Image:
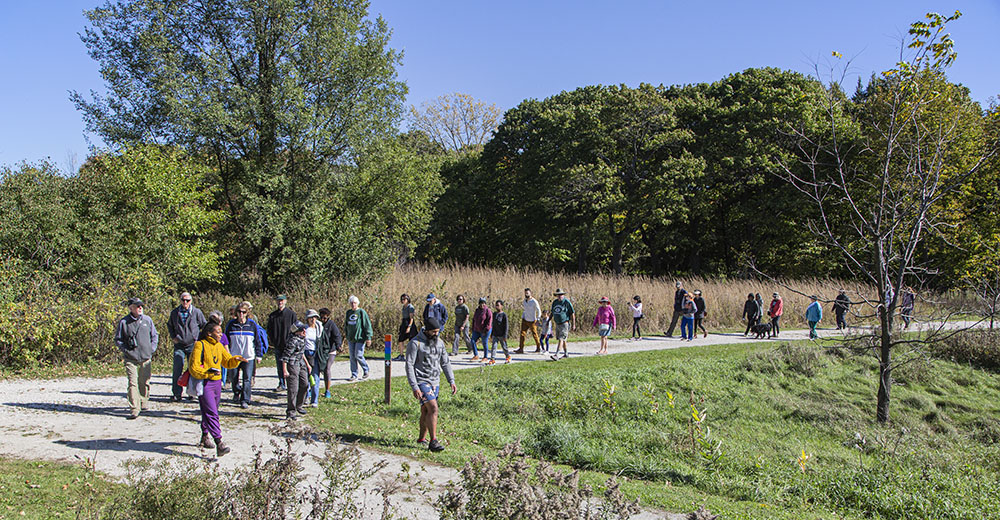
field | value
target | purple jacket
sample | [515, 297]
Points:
[605, 315]
[482, 320]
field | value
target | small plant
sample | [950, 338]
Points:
[608, 397]
[802, 459]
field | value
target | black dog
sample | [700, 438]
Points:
[761, 330]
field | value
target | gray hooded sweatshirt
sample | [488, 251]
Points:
[425, 362]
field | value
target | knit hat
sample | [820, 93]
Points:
[431, 323]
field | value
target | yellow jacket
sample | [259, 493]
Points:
[216, 356]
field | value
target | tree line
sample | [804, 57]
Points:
[254, 145]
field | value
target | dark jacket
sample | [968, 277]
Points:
[700, 303]
[330, 342]
[841, 304]
[679, 299]
[751, 311]
[499, 325]
[136, 338]
[278, 325]
[188, 331]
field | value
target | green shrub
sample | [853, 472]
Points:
[979, 348]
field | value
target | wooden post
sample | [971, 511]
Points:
[388, 367]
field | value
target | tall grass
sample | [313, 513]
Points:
[724, 297]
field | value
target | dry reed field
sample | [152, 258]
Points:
[724, 298]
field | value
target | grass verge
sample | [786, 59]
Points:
[795, 424]
[36, 489]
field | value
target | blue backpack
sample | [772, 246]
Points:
[261, 338]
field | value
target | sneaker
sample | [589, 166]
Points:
[493, 362]
[244, 405]
[565, 355]
[132, 416]
[422, 441]
[474, 358]
[301, 411]
[291, 416]
[519, 351]
[507, 362]
[364, 376]
[554, 357]
[314, 405]
[401, 357]
[454, 352]
[327, 395]
[352, 379]
[435, 446]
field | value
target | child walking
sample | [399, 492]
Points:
[546, 330]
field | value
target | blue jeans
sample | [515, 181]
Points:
[312, 395]
[485, 336]
[357, 352]
[242, 381]
[180, 365]
[687, 327]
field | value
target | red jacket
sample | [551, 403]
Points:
[776, 308]
[482, 320]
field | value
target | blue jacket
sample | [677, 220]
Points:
[438, 311]
[814, 312]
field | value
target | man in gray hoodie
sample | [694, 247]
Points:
[136, 337]
[426, 358]
[185, 323]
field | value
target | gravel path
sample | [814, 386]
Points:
[79, 418]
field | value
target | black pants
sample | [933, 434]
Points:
[277, 358]
[841, 323]
[751, 323]
[298, 385]
[636, 329]
[775, 329]
[698, 325]
[673, 322]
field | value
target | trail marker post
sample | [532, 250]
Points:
[388, 367]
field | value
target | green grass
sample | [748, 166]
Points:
[34, 489]
[765, 404]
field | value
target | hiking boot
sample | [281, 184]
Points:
[519, 351]
[206, 441]
[538, 350]
[221, 448]
[435, 446]
[291, 416]
[507, 362]
[301, 411]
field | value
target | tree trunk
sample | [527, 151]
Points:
[884, 367]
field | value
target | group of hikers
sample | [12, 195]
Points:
[210, 355]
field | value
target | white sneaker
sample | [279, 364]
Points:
[314, 405]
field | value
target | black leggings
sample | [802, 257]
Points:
[636, 330]
[698, 325]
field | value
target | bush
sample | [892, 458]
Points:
[786, 359]
[505, 487]
[979, 348]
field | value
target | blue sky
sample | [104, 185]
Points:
[504, 52]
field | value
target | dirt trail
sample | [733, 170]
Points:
[78, 418]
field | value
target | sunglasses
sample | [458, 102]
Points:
[186, 300]
[241, 312]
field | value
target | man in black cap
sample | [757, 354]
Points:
[136, 337]
[426, 358]
[279, 324]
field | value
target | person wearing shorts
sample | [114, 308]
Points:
[605, 321]
[565, 320]
[426, 358]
